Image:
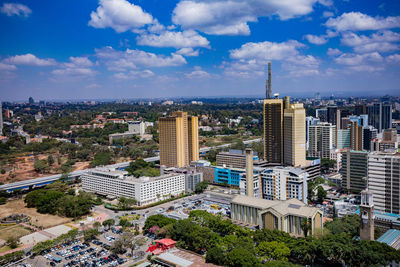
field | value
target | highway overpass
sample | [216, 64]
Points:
[42, 181]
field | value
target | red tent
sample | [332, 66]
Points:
[158, 246]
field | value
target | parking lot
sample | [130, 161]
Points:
[76, 253]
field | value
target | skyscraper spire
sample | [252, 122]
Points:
[268, 85]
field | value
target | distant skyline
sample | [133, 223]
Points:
[116, 49]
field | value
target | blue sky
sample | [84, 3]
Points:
[102, 49]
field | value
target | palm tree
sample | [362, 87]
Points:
[306, 226]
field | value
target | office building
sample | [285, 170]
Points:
[322, 114]
[137, 127]
[285, 215]
[343, 139]
[193, 176]
[344, 124]
[193, 137]
[322, 140]
[146, 190]
[228, 176]
[332, 115]
[362, 120]
[178, 135]
[390, 135]
[282, 183]
[294, 132]
[380, 116]
[313, 168]
[356, 136]
[379, 145]
[360, 109]
[273, 131]
[369, 133]
[384, 180]
[354, 170]
[237, 159]
[310, 121]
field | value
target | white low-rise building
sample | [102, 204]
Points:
[146, 190]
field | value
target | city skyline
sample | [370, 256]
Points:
[147, 49]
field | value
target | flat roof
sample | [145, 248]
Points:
[171, 258]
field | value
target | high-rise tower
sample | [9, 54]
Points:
[294, 134]
[178, 138]
[273, 130]
[268, 84]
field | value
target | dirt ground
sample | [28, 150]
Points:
[44, 220]
[23, 169]
[13, 231]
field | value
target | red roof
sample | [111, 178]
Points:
[166, 241]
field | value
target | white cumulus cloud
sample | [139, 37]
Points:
[14, 9]
[333, 52]
[231, 17]
[317, 40]
[251, 58]
[133, 59]
[188, 52]
[378, 42]
[77, 66]
[30, 60]
[395, 58]
[120, 15]
[188, 38]
[356, 21]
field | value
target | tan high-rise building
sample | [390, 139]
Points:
[273, 130]
[294, 132]
[193, 137]
[356, 136]
[179, 140]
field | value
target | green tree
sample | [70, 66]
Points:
[157, 220]
[12, 242]
[40, 165]
[200, 187]
[273, 251]
[215, 255]
[125, 203]
[305, 226]
[321, 194]
[241, 257]
[108, 223]
[50, 160]
[100, 159]
[90, 234]
[349, 224]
